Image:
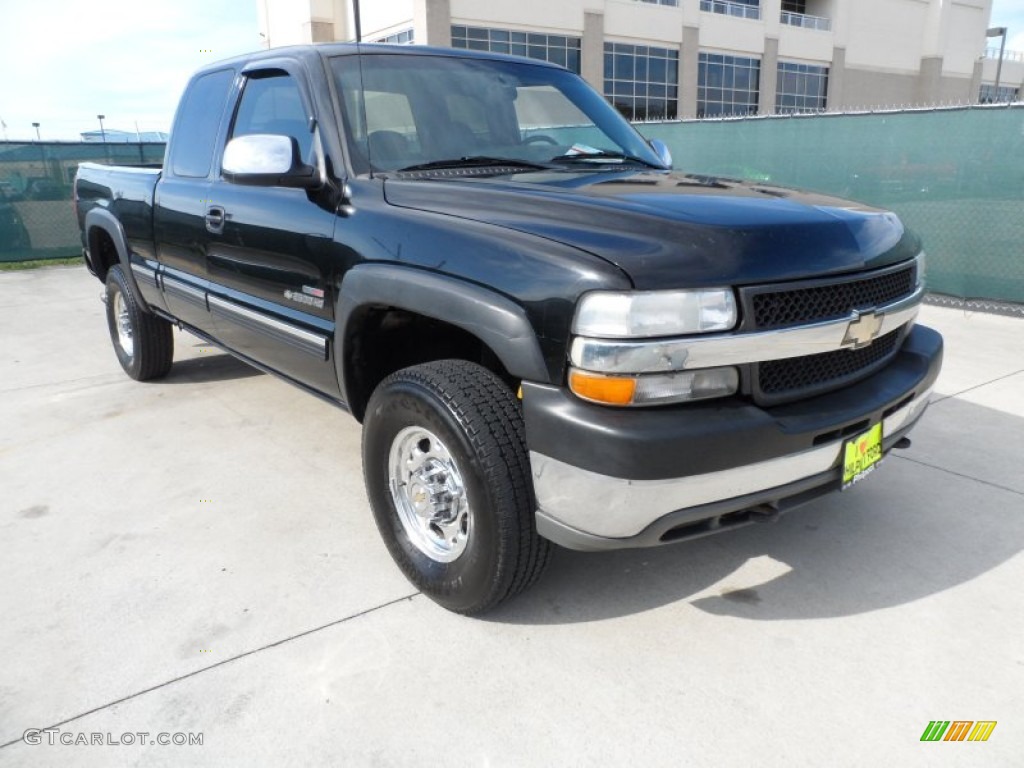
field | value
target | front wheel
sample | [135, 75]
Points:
[143, 342]
[448, 477]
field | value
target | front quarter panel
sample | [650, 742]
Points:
[542, 279]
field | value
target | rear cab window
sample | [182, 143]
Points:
[197, 124]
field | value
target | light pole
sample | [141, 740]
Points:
[998, 32]
[359, 26]
[103, 134]
[36, 126]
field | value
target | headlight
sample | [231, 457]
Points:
[646, 314]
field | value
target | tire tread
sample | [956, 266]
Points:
[153, 336]
[492, 419]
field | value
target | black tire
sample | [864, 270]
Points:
[143, 342]
[478, 421]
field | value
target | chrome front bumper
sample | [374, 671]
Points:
[586, 510]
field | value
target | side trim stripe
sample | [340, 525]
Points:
[306, 341]
[184, 291]
[145, 274]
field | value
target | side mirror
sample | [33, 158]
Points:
[267, 160]
[662, 151]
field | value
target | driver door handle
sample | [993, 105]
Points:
[215, 218]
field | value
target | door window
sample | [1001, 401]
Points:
[271, 103]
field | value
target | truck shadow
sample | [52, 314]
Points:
[919, 527]
[211, 365]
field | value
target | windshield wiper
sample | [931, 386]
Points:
[476, 161]
[599, 155]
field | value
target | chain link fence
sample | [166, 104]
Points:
[955, 176]
[36, 217]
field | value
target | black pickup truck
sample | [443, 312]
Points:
[547, 334]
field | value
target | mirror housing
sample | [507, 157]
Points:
[662, 151]
[267, 160]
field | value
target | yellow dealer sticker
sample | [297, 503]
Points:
[861, 455]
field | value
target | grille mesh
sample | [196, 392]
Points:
[778, 309]
[781, 377]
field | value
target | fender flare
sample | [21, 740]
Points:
[101, 218]
[496, 320]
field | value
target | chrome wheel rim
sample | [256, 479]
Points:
[429, 494]
[124, 324]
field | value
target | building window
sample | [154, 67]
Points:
[642, 81]
[405, 37]
[745, 9]
[557, 49]
[673, 3]
[989, 94]
[727, 85]
[794, 13]
[801, 88]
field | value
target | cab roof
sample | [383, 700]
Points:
[327, 50]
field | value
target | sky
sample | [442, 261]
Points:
[130, 59]
[126, 59]
[1009, 14]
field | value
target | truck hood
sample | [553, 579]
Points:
[666, 229]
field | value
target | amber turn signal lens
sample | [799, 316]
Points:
[612, 390]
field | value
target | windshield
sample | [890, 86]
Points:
[405, 111]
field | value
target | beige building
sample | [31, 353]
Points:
[701, 58]
[1010, 76]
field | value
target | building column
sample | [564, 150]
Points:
[929, 81]
[771, 16]
[769, 77]
[342, 22]
[975, 95]
[689, 58]
[936, 28]
[319, 31]
[929, 77]
[592, 49]
[836, 76]
[432, 22]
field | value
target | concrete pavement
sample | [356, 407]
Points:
[197, 556]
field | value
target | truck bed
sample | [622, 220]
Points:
[127, 192]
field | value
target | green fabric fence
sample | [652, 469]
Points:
[36, 217]
[955, 176]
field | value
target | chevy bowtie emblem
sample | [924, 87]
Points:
[863, 329]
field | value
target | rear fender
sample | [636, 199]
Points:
[102, 219]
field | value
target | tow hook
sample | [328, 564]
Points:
[764, 513]
[903, 443]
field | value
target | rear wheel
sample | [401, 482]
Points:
[448, 477]
[143, 342]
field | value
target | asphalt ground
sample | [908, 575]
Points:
[197, 557]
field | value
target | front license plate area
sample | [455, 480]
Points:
[861, 455]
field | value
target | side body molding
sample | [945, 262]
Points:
[101, 218]
[497, 321]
